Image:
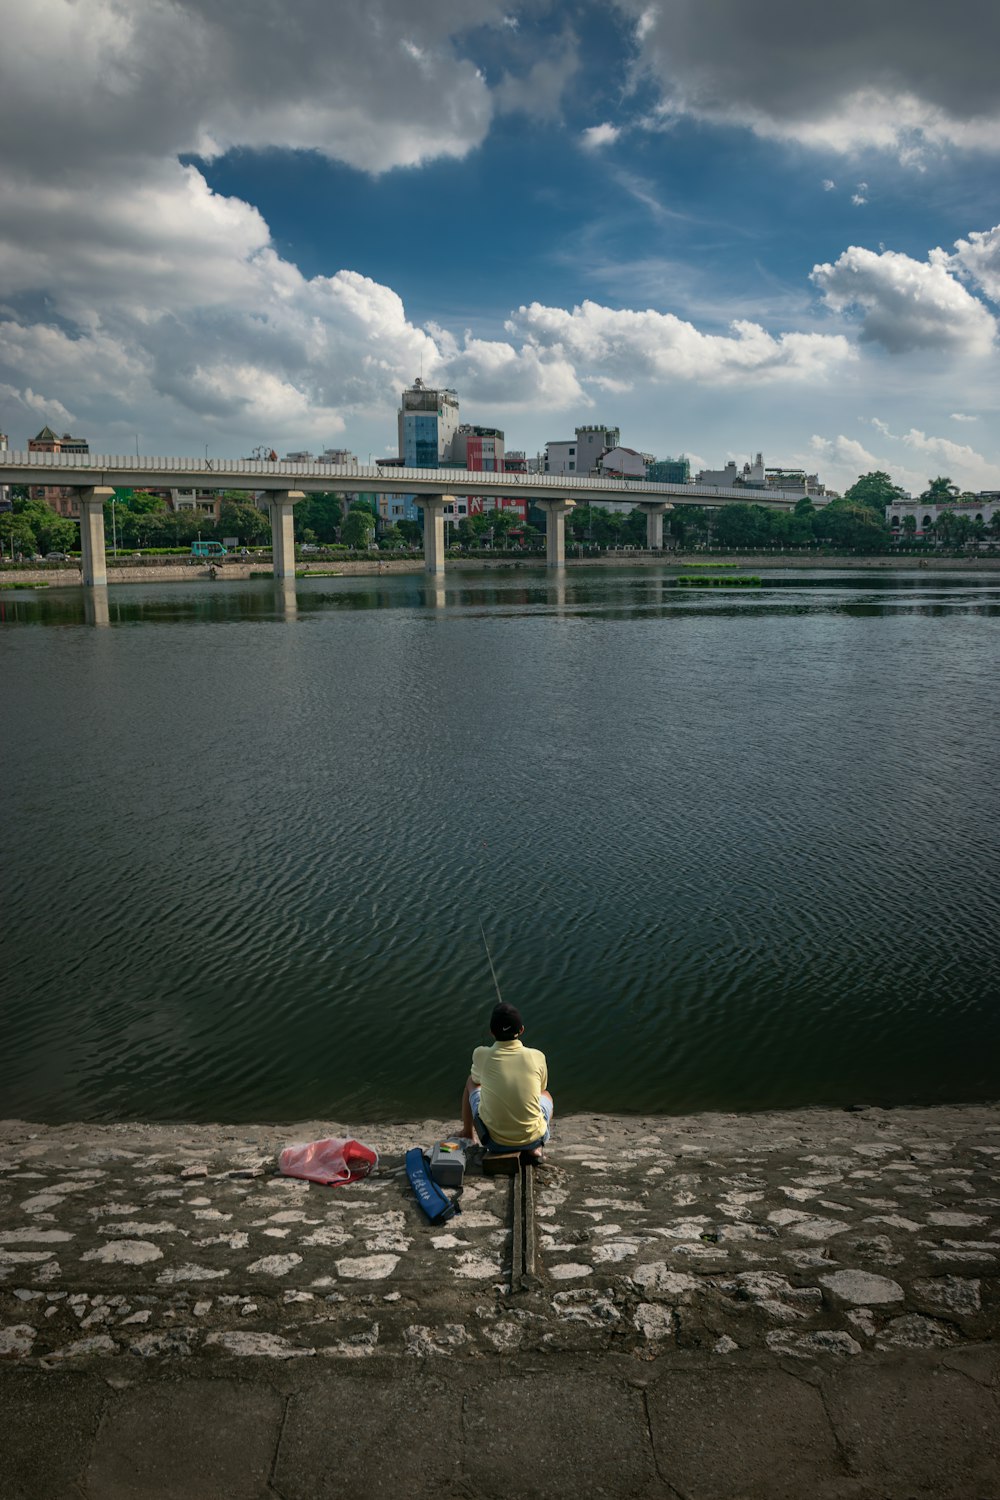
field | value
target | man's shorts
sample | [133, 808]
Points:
[487, 1142]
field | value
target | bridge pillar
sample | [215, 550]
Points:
[556, 512]
[92, 560]
[283, 531]
[654, 522]
[433, 509]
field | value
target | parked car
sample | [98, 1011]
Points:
[56, 557]
[208, 549]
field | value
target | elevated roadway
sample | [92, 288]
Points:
[129, 472]
[96, 476]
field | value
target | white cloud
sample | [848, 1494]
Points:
[978, 258]
[364, 84]
[632, 346]
[959, 455]
[596, 136]
[34, 406]
[906, 304]
[860, 195]
[846, 453]
[961, 416]
[967, 467]
[135, 297]
[828, 184]
[892, 76]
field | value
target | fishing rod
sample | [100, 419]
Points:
[493, 971]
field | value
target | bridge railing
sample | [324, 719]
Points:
[214, 471]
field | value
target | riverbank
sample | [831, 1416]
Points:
[187, 571]
[775, 1304]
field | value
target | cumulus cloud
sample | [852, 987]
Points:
[978, 259]
[634, 345]
[135, 295]
[966, 465]
[842, 459]
[906, 304]
[365, 84]
[128, 280]
[596, 136]
[943, 450]
[847, 453]
[34, 405]
[897, 76]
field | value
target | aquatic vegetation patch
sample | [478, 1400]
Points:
[699, 582]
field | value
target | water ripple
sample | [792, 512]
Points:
[728, 852]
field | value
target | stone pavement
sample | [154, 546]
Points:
[801, 1303]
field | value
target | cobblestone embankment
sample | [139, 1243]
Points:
[800, 1234]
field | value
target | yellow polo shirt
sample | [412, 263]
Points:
[511, 1077]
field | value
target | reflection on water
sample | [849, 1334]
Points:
[731, 849]
[515, 589]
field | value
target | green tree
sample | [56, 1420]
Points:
[177, 528]
[502, 523]
[50, 532]
[876, 490]
[392, 538]
[910, 527]
[940, 491]
[944, 527]
[411, 531]
[742, 526]
[848, 523]
[688, 524]
[634, 529]
[16, 535]
[322, 514]
[127, 521]
[246, 522]
[359, 527]
[594, 523]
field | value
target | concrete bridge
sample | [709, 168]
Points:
[95, 477]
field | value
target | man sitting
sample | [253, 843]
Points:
[506, 1097]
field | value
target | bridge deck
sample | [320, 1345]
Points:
[127, 471]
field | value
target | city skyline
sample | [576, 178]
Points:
[775, 233]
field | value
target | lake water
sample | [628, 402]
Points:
[730, 850]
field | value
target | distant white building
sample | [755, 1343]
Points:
[582, 454]
[622, 463]
[983, 507]
[755, 476]
[750, 476]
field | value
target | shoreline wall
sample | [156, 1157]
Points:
[184, 571]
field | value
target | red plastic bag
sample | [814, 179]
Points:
[331, 1161]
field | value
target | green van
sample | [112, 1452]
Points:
[208, 549]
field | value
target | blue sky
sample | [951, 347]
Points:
[775, 231]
